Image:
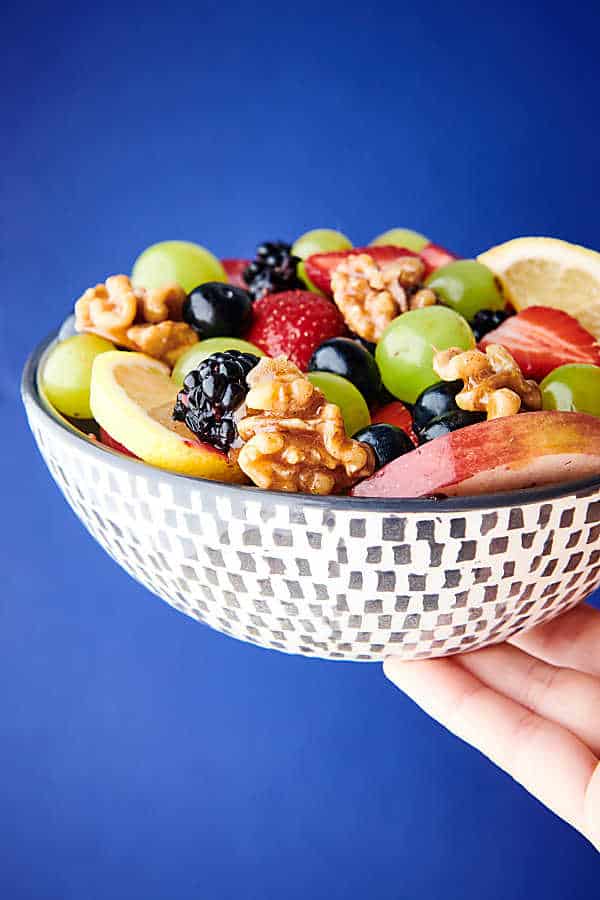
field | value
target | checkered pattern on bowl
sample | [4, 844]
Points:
[339, 578]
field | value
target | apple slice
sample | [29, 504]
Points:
[132, 398]
[511, 453]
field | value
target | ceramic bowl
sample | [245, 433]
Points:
[335, 577]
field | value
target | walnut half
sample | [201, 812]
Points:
[145, 320]
[370, 295]
[293, 439]
[493, 381]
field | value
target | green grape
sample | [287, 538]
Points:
[401, 237]
[67, 373]
[181, 261]
[192, 357]
[342, 392]
[319, 240]
[301, 273]
[573, 388]
[405, 352]
[466, 286]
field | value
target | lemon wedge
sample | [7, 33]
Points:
[539, 271]
[132, 398]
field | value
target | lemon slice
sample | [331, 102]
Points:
[538, 271]
[132, 398]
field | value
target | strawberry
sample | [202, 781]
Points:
[234, 269]
[396, 413]
[541, 338]
[320, 266]
[293, 324]
[435, 257]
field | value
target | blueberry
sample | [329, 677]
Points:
[487, 320]
[435, 401]
[217, 310]
[387, 441]
[348, 358]
[452, 421]
[368, 345]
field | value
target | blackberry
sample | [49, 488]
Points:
[486, 320]
[273, 271]
[211, 396]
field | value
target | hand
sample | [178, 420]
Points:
[532, 706]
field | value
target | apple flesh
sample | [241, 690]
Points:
[506, 454]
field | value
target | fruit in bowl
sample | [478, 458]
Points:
[358, 430]
[398, 328]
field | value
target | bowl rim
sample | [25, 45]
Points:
[496, 500]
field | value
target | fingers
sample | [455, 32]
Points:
[549, 761]
[572, 640]
[591, 808]
[569, 698]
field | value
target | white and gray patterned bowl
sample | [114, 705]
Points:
[335, 577]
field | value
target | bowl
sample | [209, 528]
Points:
[333, 577]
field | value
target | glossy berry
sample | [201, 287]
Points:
[211, 396]
[293, 324]
[273, 270]
[387, 442]
[486, 320]
[450, 422]
[348, 358]
[368, 345]
[435, 401]
[215, 310]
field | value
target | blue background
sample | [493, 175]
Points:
[142, 755]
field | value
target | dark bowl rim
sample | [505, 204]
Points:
[579, 488]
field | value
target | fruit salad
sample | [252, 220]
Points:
[389, 370]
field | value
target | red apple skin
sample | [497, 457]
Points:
[511, 453]
[109, 441]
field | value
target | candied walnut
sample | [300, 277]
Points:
[136, 318]
[422, 298]
[493, 381]
[162, 303]
[293, 439]
[278, 387]
[108, 309]
[369, 296]
[165, 341]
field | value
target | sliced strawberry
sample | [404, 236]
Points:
[234, 269]
[435, 257]
[293, 324]
[541, 338]
[396, 413]
[320, 266]
[109, 441]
